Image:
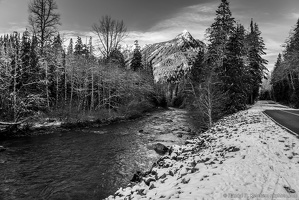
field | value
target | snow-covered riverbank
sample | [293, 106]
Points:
[244, 156]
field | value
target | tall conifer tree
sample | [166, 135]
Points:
[257, 63]
[218, 35]
[136, 63]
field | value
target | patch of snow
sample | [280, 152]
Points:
[243, 156]
[47, 124]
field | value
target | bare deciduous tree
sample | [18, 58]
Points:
[43, 20]
[110, 33]
[208, 98]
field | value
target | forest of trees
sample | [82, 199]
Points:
[285, 76]
[38, 75]
[228, 74]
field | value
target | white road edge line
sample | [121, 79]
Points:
[287, 129]
[289, 112]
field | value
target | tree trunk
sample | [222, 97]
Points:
[72, 89]
[15, 90]
[47, 88]
[209, 96]
[109, 101]
[65, 87]
[92, 91]
[292, 81]
[99, 92]
[169, 93]
[57, 88]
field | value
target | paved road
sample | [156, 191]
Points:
[287, 118]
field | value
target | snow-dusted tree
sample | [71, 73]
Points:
[25, 57]
[43, 20]
[278, 80]
[70, 70]
[70, 47]
[285, 78]
[208, 97]
[78, 46]
[136, 62]
[116, 58]
[257, 68]
[209, 69]
[218, 36]
[16, 73]
[58, 68]
[110, 33]
[236, 77]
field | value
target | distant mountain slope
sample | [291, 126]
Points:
[155, 53]
[164, 53]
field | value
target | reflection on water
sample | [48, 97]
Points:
[82, 164]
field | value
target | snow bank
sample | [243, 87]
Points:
[244, 156]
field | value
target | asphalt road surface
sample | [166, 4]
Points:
[287, 118]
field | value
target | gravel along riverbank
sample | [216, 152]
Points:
[244, 156]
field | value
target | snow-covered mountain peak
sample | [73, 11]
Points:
[185, 35]
[157, 52]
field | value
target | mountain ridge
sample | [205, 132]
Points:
[155, 54]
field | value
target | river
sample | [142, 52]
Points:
[86, 163]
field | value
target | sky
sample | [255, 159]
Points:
[151, 21]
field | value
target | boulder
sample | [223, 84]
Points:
[160, 148]
[173, 155]
[148, 180]
[137, 177]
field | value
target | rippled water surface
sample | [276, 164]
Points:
[82, 164]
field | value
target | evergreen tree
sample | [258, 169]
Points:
[70, 48]
[25, 57]
[78, 46]
[116, 58]
[285, 82]
[58, 68]
[218, 36]
[136, 62]
[34, 71]
[236, 75]
[277, 80]
[15, 72]
[69, 70]
[257, 64]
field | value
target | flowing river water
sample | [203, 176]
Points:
[86, 163]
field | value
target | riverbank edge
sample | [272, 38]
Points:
[197, 144]
[190, 158]
[40, 128]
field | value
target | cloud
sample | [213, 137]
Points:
[194, 18]
[11, 29]
[292, 15]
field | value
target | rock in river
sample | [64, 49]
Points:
[160, 148]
